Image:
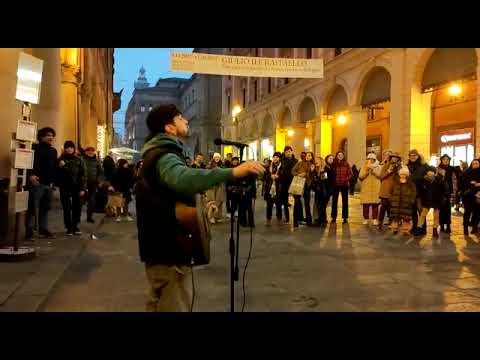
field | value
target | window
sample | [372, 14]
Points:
[228, 104]
[244, 97]
[256, 52]
[269, 85]
[338, 51]
[286, 81]
[142, 108]
[309, 53]
[255, 90]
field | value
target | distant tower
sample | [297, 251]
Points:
[141, 82]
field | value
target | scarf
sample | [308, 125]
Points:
[273, 189]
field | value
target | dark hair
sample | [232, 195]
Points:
[159, 117]
[200, 155]
[69, 144]
[90, 148]
[288, 147]
[122, 162]
[44, 132]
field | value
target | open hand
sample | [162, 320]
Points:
[62, 163]
[248, 168]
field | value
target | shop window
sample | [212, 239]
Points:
[255, 90]
[244, 97]
[309, 53]
[142, 108]
[228, 104]
[269, 85]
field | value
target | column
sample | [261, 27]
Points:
[357, 135]
[477, 122]
[10, 108]
[397, 122]
[85, 120]
[69, 103]
[47, 112]
[420, 121]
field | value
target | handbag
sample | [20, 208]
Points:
[297, 186]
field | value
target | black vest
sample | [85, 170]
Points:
[157, 226]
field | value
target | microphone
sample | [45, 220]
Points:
[229, 142]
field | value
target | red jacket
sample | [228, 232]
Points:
[343, 173]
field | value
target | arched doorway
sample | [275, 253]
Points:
[376, 99]
[336, 123]
[306, 115]
[284, 132]
[450, 77]
[267, 138]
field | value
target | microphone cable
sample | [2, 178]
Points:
[248, 261]
[193, 290]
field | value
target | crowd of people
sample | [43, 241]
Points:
[81, 178]
[402, 190]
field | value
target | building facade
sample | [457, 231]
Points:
[76, 97]
[370, 99]
[144, 98]
[199, 98]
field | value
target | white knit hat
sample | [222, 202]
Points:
[404, 171]
[217, 155]
[372, 156]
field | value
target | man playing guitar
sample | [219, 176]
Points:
[167, 181]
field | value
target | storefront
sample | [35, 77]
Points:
[267, 150]
[458, 144]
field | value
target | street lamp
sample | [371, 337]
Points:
[455, 90]
[342, 120]
[236, 110]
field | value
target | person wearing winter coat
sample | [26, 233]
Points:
[322, 187]
[217, 193]
[402, 201]
[288, 162]
[304, 169]
[72, 181]
[123, 181]
[354, 179]
[370, 177]
[432, 193]
[94, 177]
[418, 170]
[342, 174]
[470, 197]
[108, 167]
[271, 188]
[451, 180]
[387, 174]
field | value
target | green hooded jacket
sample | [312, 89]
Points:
[173, 173]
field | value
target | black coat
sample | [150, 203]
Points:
[468, 190]
[44, 163]
[268, 181]
[72, 176]
[322, 183]
[123, 181]
[402, 199]
[108, 167]
[286, 172]
[433, 194]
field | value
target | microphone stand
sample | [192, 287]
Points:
[234, 245]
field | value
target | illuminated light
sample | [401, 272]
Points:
[454, 90]
[434, 160]
[306, 143]
[101, 140]
[290, 132]
[457, 137]
[236, 110]
[29, 77]
[265, 142]
[342, 119]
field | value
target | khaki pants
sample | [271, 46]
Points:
[405, 226]
[170, 288]
[423, 217]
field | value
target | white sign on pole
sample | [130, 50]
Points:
[24, 159]
[246, 66]
[21, 201]
[26, 130]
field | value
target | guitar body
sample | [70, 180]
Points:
[195, 234]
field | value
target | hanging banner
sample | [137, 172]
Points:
[199, 63]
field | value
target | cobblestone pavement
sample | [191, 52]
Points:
[350, 267]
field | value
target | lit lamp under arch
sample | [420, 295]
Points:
[341, 119]
[454, 90]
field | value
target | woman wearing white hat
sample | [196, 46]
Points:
[369, 176]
